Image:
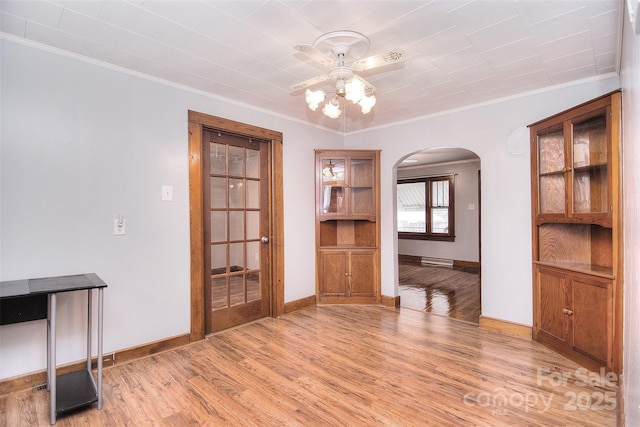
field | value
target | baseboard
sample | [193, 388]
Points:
[37, 379]
[150, 348]
[299, 304]
[410, 259]
[506, 327]
[392, 302]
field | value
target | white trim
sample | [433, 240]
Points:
[158, 80]
[633, 9]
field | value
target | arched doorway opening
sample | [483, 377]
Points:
[438, 232]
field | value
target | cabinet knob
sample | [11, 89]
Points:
[567, 311]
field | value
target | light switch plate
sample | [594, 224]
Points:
[167, 193]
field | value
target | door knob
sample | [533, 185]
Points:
[264, 239]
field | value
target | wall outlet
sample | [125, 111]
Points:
[119, 227]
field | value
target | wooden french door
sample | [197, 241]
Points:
[248, 277]
[236, 229]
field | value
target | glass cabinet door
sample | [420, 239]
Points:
[333, 186]
[589, 151]
[361, 186]
[551, 167]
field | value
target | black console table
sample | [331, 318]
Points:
[23, 298]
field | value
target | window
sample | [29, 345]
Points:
[425, 208]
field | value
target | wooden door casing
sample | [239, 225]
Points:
[197, 121]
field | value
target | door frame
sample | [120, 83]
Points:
[198, 121]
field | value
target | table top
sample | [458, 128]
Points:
[50, 285]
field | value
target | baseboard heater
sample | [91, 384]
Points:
[440, 262]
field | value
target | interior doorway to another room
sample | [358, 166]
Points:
[235, 201]
[438, 220]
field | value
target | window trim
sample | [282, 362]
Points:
[428, 235]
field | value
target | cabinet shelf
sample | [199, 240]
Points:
[576, 267]
[552, 173]
[587, 168]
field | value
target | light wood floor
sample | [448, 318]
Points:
[451, 292]
[338, 366]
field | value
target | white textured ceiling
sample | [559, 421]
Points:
[459, 52]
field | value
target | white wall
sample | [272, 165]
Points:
[83, 143]
[497, 134]
[465, 247]
[630, 78]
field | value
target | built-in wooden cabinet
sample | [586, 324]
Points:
[576, 311]
[347, 227]
[577, 245]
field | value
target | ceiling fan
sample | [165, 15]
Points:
[341, 52]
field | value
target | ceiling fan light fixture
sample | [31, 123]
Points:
[332, 109]
[367, 103]
[314, 98]
[354, 90]
[341, 52]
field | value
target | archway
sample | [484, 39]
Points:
[438, 232]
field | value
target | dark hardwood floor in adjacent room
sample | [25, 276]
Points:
[452, 292]
[340, 365]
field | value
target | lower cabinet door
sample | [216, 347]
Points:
[333, 277]
[551, 322]
[362, 274]
[574, 315]
[592, 319]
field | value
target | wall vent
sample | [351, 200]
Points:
[439, 262]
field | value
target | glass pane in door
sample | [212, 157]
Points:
[219, 292]
[253, 225]
[552, 194]
[333, 191]
[253, 271]
[236, 193]
[236, 225]
[551, 169]
[589, 151]
[236, 161]
[217, 158]
[218, 226]
[361, 186]
[253, 163]
[551, 151]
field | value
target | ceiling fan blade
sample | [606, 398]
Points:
[392, 56]
[305, 84]
[315, 55]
